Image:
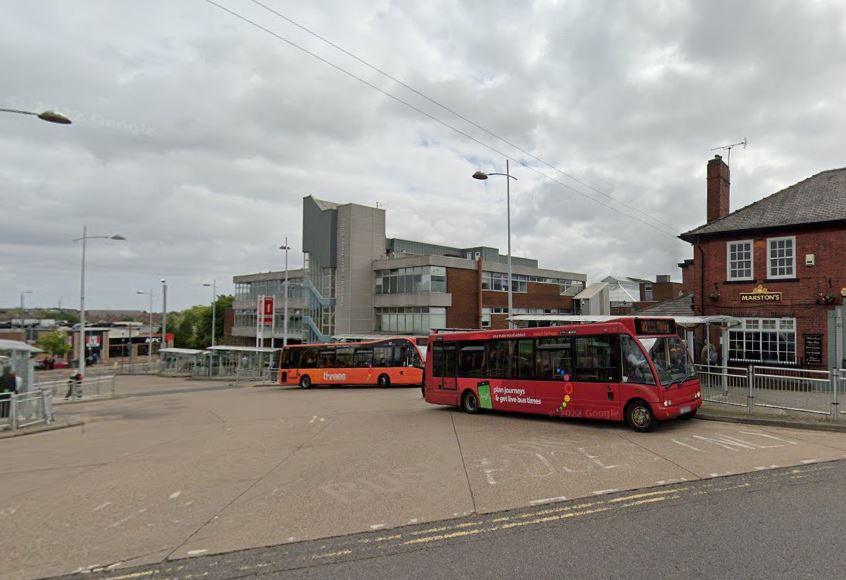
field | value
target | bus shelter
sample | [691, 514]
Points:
[237, 361]
[17, 356]
[181, 361]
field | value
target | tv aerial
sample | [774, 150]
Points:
[729, 147]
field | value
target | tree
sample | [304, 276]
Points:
[203, 329]
[55, 343]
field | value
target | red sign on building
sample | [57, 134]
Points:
[266, 305]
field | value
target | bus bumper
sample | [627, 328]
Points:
[664, 412]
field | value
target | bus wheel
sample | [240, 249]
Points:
[383, 381]
[305, 382]
[469, 402]
[639, 416]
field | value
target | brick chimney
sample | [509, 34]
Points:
[718, 188]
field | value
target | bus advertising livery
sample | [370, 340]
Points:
[393, 361]
[629, 369]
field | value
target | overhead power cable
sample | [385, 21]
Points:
[457, 114]
[429, 115]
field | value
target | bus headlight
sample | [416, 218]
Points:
[668, 403]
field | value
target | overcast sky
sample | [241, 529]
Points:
[196, 135]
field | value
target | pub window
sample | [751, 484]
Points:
[596, 359]
[764, 340]
[739, 260]
[554, 359]
[781, 257]
[471, 360]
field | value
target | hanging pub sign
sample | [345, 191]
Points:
[760, 294]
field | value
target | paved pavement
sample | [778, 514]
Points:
[205, 469]
[784, 523]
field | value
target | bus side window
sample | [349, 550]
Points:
[554, 359]
[471, 360]
[382, 356]
[309, 358]
[635, 365]
[344, 358]
[597, 359]
[525, 359]
[363, 357]
[500, 358]
[326, 359]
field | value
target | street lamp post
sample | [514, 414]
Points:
[508, 177]
[213, 286]
[85, 237]
[149, 328]
[164, 313]
[23, 326]
[49, 116]
[285, 247]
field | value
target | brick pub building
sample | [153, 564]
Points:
[779, 265]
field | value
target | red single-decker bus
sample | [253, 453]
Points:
[629, 369]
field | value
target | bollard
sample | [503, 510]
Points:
[750, 382]
[13, 411]
[835, 386]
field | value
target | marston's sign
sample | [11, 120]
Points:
[760, 294]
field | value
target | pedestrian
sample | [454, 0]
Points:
[8, 386]
[74, 385]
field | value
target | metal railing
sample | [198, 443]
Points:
[799, 390]
[721, 384]
[143, 368]
[18, 410]
[90, 388]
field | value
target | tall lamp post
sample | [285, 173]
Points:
[149, 328]
[213, 286]
[23, 326]
[49, 116]
[164, 313]
[508, 177]
[285, 247]
[85, 237]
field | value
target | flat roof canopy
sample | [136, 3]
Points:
[187, 351]
[686, 321]
[243, 349]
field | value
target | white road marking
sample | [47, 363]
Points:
[604, 491]
[806, 461]
[196, 552]
[595, 459]
[313, 419]
[489, 472]
[547, 500]
[376, 526]
[102, 505]
[412, 521]
[8, 512]
[683, 444]
[175, 494]
[187, 503]
[788, 441]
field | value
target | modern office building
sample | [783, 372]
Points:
[358, 282]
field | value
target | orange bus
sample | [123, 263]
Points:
[628, 369]
[391, 361]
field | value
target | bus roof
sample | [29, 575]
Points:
[643, 326]
[411, 339]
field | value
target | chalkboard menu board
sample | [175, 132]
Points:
[813, 349]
